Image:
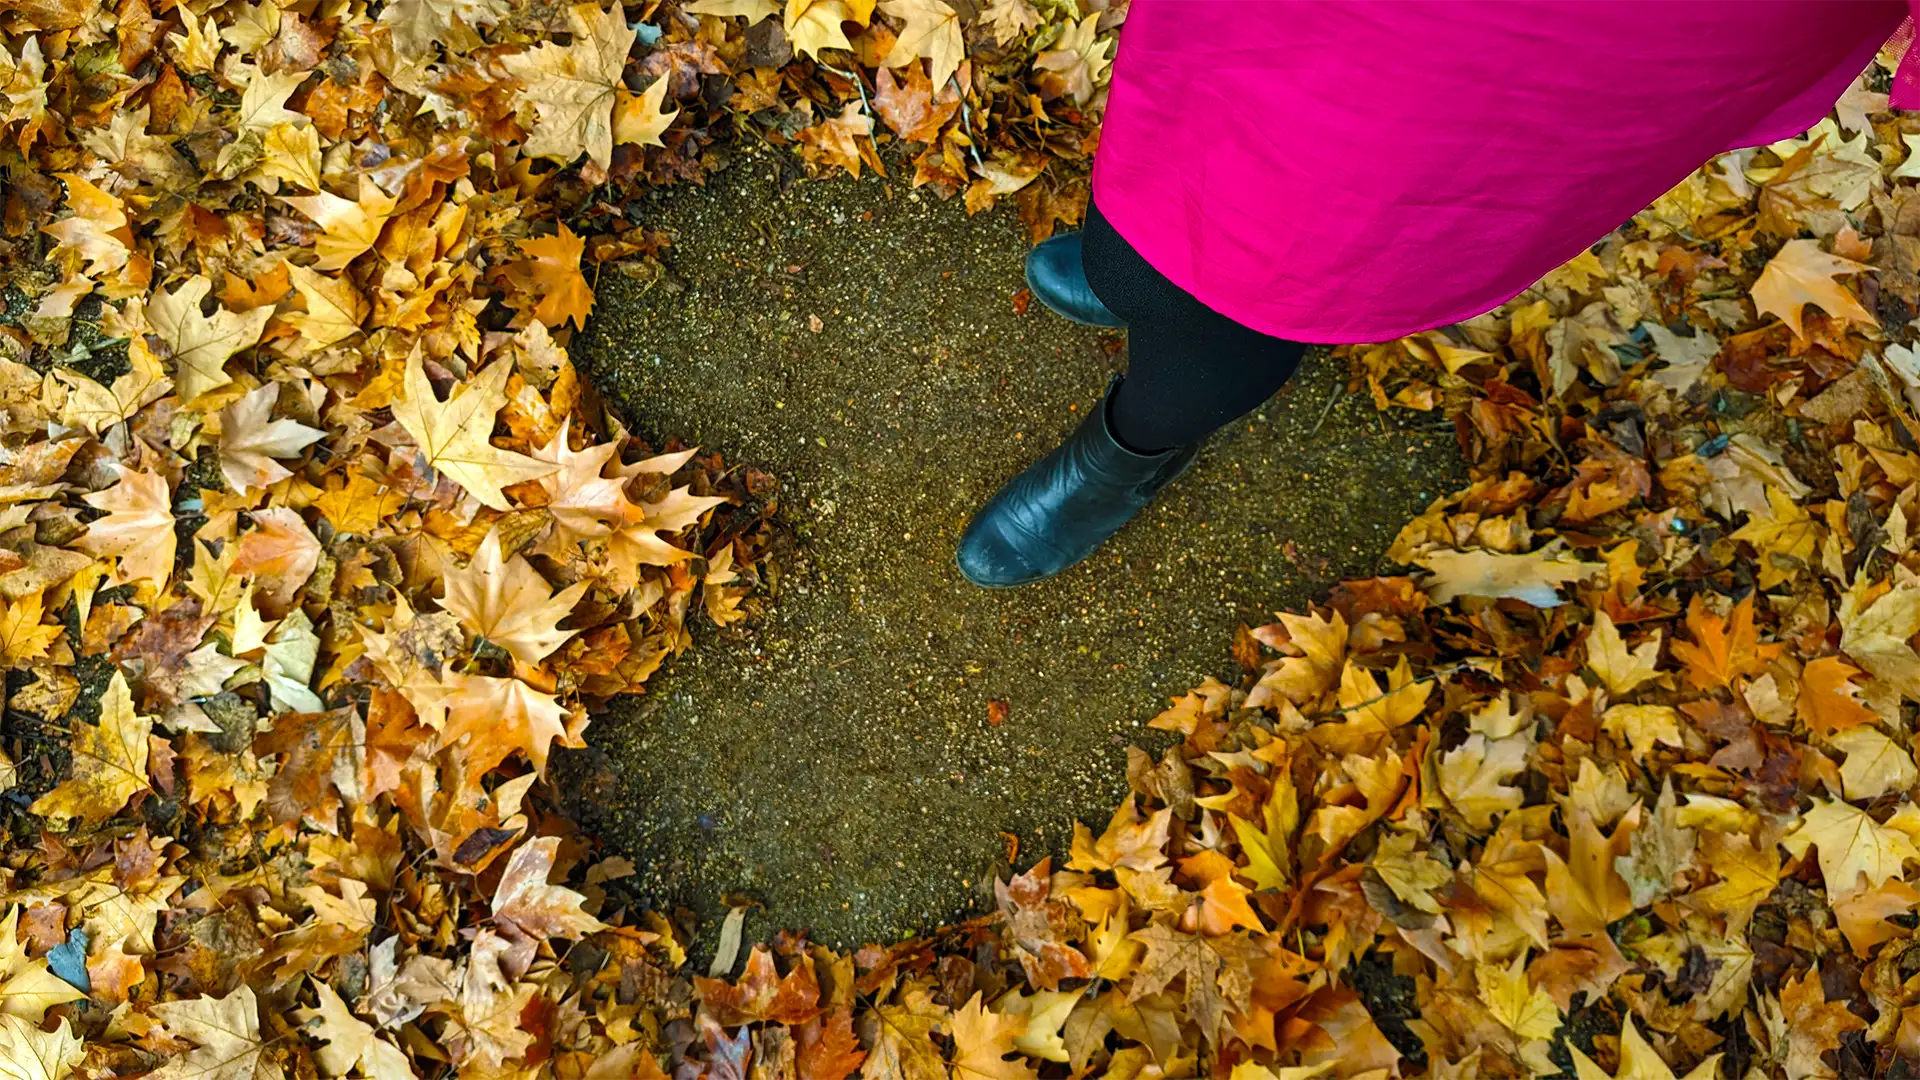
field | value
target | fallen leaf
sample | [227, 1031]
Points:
[572, 87]
[1875, 764]
[932, 32]
[250, 440]
[455, 435]
[1532, 578]
[1521, 1008]
[552, 273]
[507, 602]
[201, 344]
[1802, 274]
[1639, 1061]
[1852, 846]
[29, 1053]
[109, 762]
[225, 1033]
[982, 1039]
[525, 901]
[348, 227]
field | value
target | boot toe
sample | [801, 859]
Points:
[1058, 280]
[990, 560]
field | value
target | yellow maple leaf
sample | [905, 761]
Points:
[1585, 890]
[251, 440]
[1748, 875]
[1802, 274]
[1081, 61]
[982, 1040]
[1862, 916]
[1268, 846]
[1786, 539]
[1877, 634]
[335, 310]
[1221, 903]
[637, 118]
[224, 1033]
[1827, 703]
[34, 1054]
[95, 233]
[1875, 764]
[359, 505]
[1642, 726]
[1622, 669]
[1322, 645]
[1503, 875]
[534, 907]
[138, 527]
[501, 716]
[1723, 649]
[22, 638]
[552, 274]
[573, 87]
[263, 108]
[291, 152]
[347, 226]
[1045, 1011]
[1852, 846]
[1010, 19]
[932, 31]
[1531, 578]
[349, 1041]
[419, 25]
[1474, 776]
[202, 344]
[1524, 1009]
[813, 25]
[1412, 875]
[109, 762]
[96, 408]
[455, 434]
[903, 1040]
[506, 601]
[1369, 713]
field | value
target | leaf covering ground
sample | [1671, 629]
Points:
[313, 547]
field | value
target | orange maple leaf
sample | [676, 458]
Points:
[501, 716]
[829, 1050]
[1827, 702]
[762, 993]
[1221, 903]
[552, 273]
[1862, 916]
[1814, 1024]
[281, 553]
[1802, 274]
[1723, 650]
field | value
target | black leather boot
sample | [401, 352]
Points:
[1065, 505]
[1056, 278]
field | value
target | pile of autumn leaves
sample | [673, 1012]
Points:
[312, 544]
[310, 551]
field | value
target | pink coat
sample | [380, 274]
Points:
[1354, 170]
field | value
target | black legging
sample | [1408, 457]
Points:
[1190, 369]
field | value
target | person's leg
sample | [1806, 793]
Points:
[1190, 371]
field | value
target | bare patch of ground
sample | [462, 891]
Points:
[836, 761]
